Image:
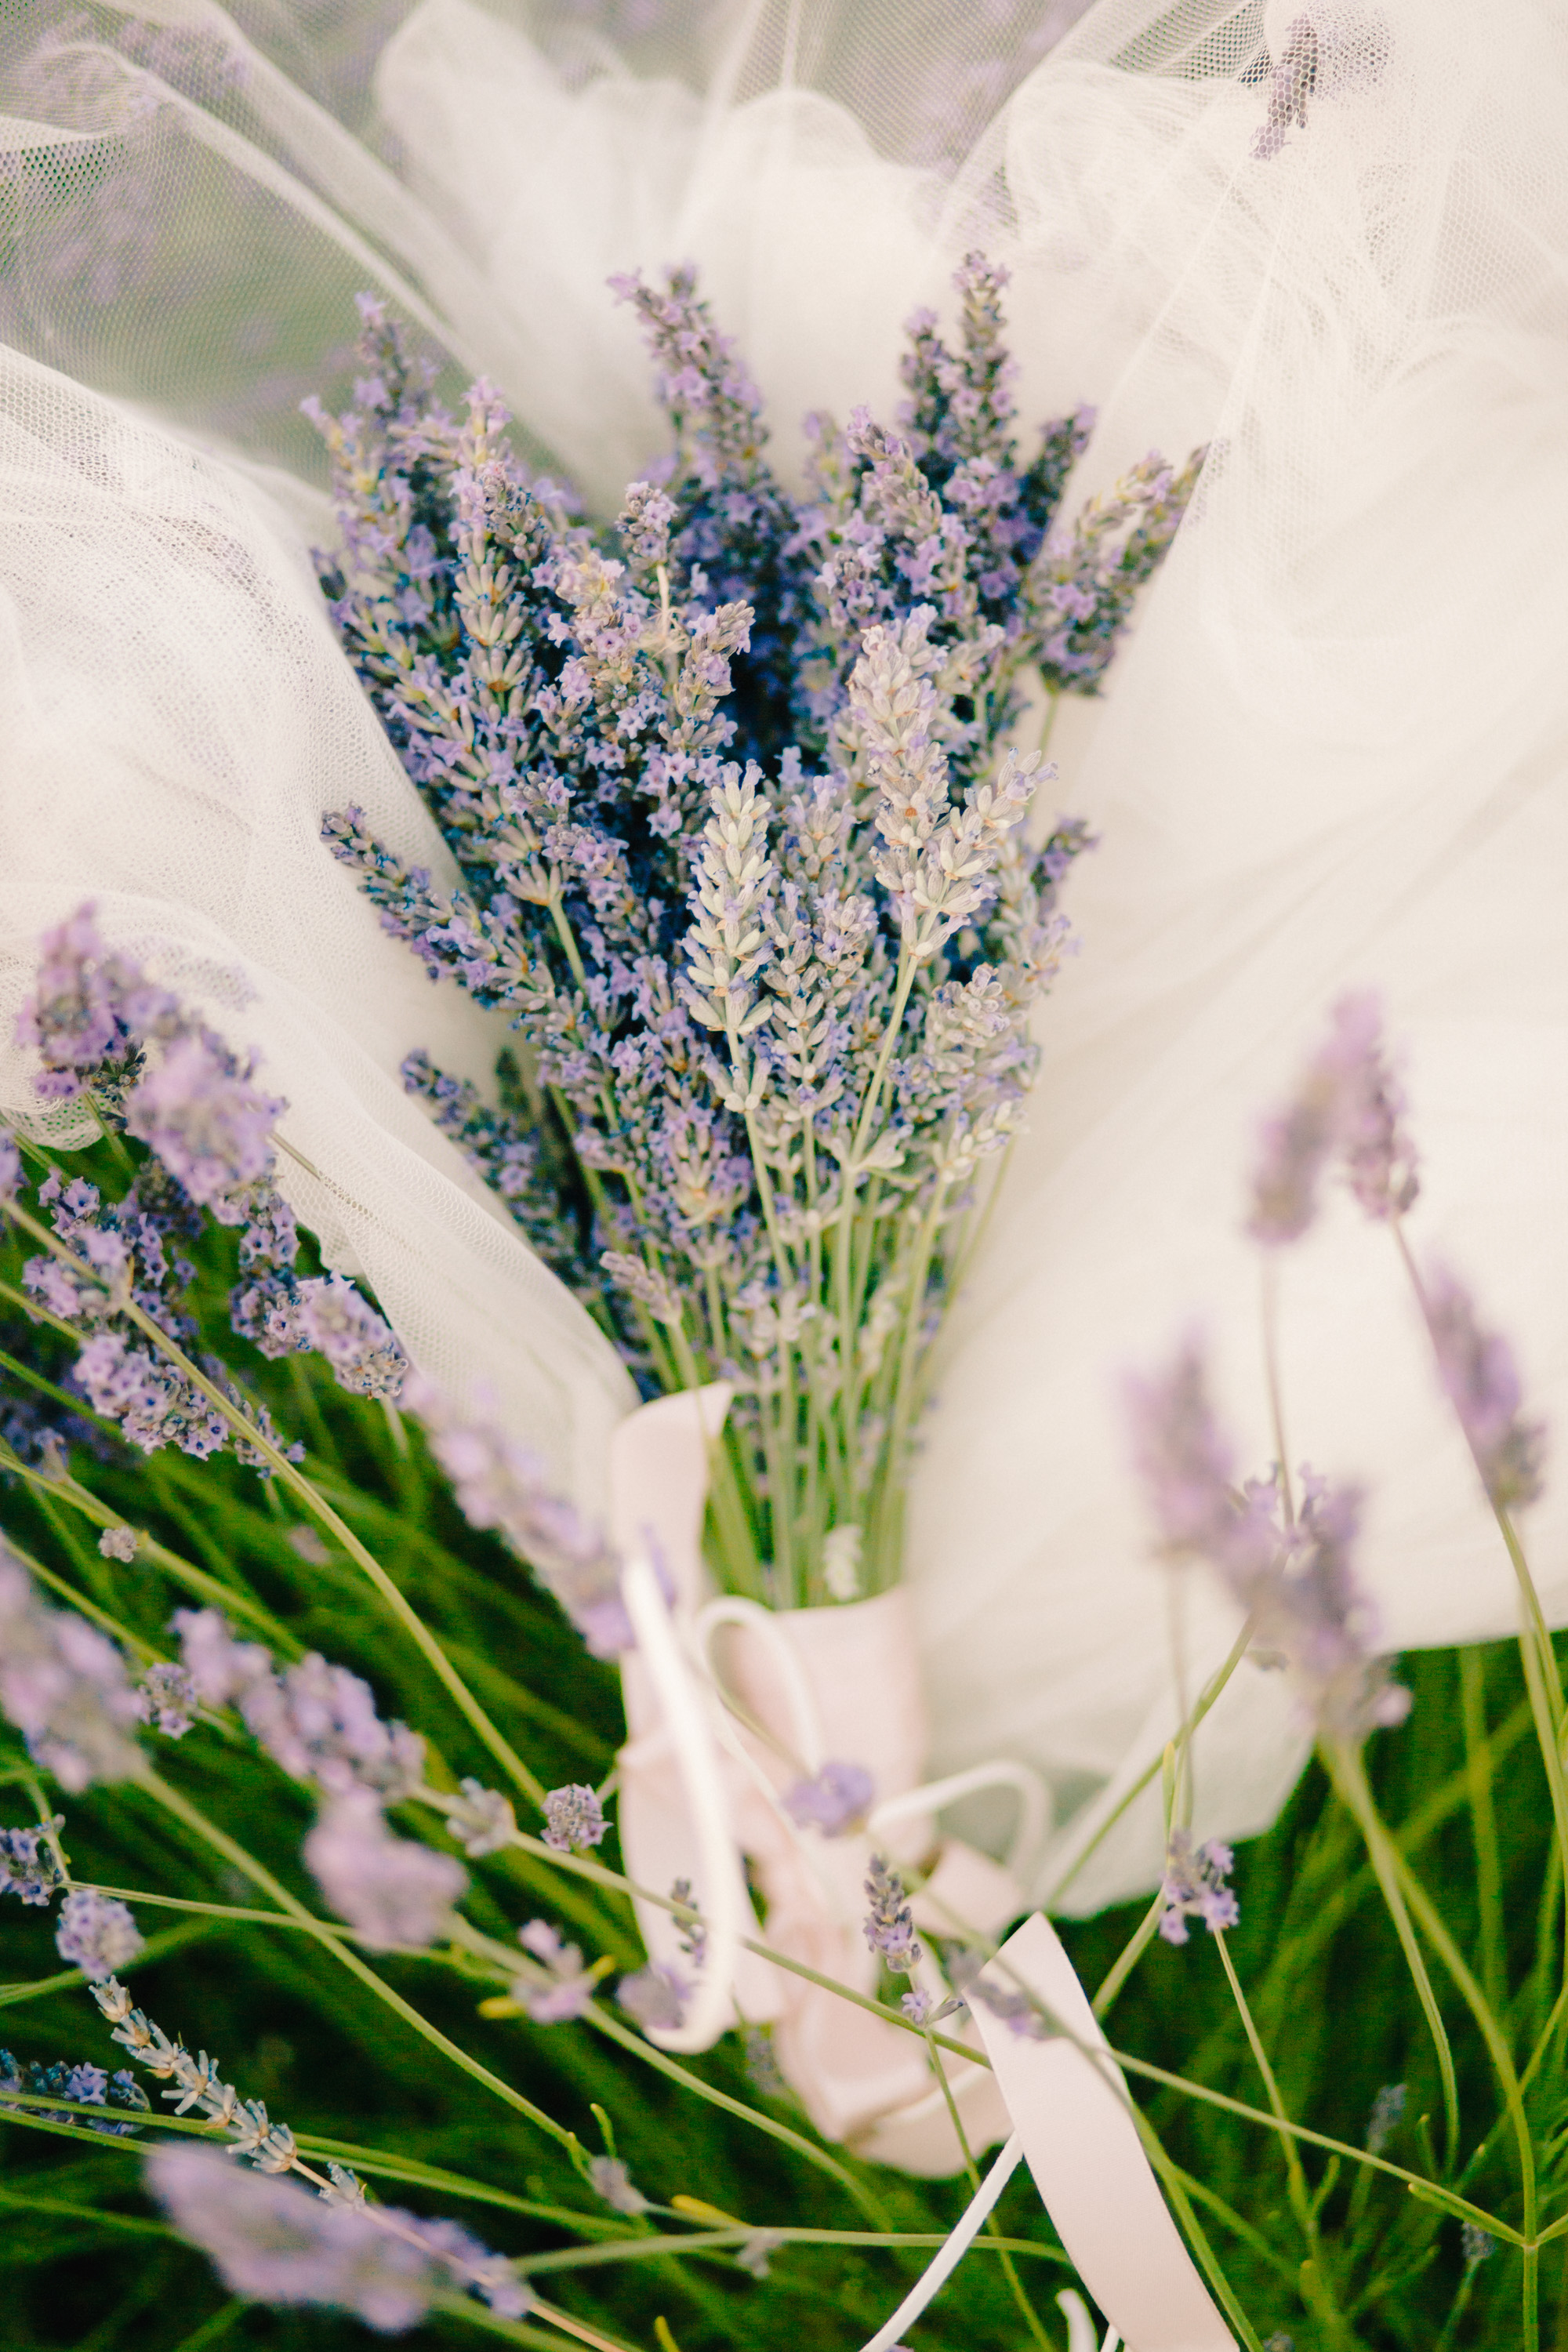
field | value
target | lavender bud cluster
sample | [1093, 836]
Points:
[1194, 1886]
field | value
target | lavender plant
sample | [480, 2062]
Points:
[738, 793]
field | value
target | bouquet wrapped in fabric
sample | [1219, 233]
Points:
[739, 795]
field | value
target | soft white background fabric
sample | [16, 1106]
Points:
[1332, 754]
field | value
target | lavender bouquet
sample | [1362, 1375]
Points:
[739, 795]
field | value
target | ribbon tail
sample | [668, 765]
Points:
[947, 2258]
[1071, 2112]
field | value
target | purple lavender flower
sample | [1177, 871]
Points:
[167, 1698]
[332, 1317]
[220, 1668]
[655, 1996]
[10, 1167]
[208, 1125]
[96, 1934]
[393, 1892]
[918, 2005]
[889, 1925]
[27, 1866]
[1297, 1583]
[1188, 1468]
[63, 1687]
[86, 2085]
[500, 1484]
[569, 1988]
[1290, 86]
[75, 1018]
[614, 2183]
[1481, 1380]
[574, 1818]
[272, 2240]
[482, 1818]
[319, 1723]
[1347, 1105]
[835, 1800]
[1194, 1886]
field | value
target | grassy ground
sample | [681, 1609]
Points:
[85, 2262]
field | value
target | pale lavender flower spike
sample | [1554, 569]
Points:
[615, 2184]
[27, 1866]
[96, 1934]
[835, 1800]
[889, 1925]
[392, 1892]
[573, 1817]
[1194, 1886]
[63, 1687]
[1297, 1583]
[1348, 1107]
[1479, 1373]
[570, 1987]
[500, 1484]
[656, 1996]
[271, 2240]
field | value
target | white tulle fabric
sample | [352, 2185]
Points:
[1332, 754]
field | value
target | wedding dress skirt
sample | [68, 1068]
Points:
[1332, 754]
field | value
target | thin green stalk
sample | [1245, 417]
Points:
[663, 2064]
[1300, 2195]
[1350, 1779]
[1483, 1827]
[972, 2171]
[193, 1819]
[1201, 1706]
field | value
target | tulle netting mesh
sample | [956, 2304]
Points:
[1332, 754]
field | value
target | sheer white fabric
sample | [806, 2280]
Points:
[1333, 752]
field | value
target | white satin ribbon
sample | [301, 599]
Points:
[1071, 2110]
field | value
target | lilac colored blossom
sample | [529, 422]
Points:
[482, 1819]
[10, 1167]
[573, 1818]
[1290, 86]
[1194, 1886]
[63, 1687]
[358, 1344]
[614, 2183]
[27, 1866]
[568, 1987]
[207, 1123]
[836, 1800]
[220, 1667]
[155, 1404]
[167, 1698]
[1297, 1583]
[889, 1925]
[319, 1723]
[1481, 1380]
[917, 2005]
[85, 2085]
[273, 2242]
[500, 1484]
[1347, 1107]
[96, 1934]
[75, 1018]
[393, 1892]
[119, 1543]
[194, 2085]
[656, 1996]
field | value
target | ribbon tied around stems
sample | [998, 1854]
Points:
[709, 1763]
